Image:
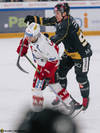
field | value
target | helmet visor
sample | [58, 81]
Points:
[28, 34]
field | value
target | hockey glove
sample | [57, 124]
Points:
[85, 103]
[48, 70]
[29, 19]
[43, 73]
[25, 47]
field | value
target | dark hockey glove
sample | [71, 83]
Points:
[85, 103]
[29, 19]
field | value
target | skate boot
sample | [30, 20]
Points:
[76, 104]
[56, 101]
[65, 104]
[85, 103]
[63, 94]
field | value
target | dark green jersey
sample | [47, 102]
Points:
[69, 33]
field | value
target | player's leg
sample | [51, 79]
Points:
[37, 96]
[81, 70]
[65, 100]
[60, 91]
[40, 84]
[65, 65]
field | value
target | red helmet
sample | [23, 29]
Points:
[62, 7]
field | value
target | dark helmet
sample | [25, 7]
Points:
[62, 7]
[47, 121]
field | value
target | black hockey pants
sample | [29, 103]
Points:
[81, 68]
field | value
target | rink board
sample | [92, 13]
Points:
[13, 14]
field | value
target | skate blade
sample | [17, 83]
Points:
[67, 111]
[77, 112]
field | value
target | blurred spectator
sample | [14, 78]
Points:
[30, 0]
[13, 0]
[47, 121]
[39, 0]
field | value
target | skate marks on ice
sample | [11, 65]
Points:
[15, 85]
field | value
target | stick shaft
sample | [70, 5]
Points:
[31, 63]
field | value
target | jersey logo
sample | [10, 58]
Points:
[52, 59]
[37, 46]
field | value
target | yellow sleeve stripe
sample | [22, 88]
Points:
[73, 55]
[41, 20]
[78, 32]
[35, 27]
[49, 24]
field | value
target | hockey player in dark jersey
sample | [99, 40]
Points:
[77, 50]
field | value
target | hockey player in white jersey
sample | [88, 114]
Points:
[46, 55]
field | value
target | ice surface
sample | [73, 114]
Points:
[15, 87]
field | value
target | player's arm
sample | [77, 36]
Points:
[40, 20]
[52, 60]
[51, 51]
[61, 32]
[48, 70]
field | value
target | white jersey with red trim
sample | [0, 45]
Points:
[44, 50]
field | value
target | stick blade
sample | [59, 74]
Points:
[18, 65]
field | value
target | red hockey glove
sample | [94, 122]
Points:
[85, 103]
[25, 47]
[43, 73]
[48, 70]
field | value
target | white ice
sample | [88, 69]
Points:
[15, 87]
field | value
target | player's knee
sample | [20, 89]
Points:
[81, 77]
[62, 73]
[56, 76]
[61, 79]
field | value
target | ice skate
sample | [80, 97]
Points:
[56, 101]
[76, 104]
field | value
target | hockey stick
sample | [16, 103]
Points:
[18, 60]
[70, 108]
[78, 112]
[32, 63]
